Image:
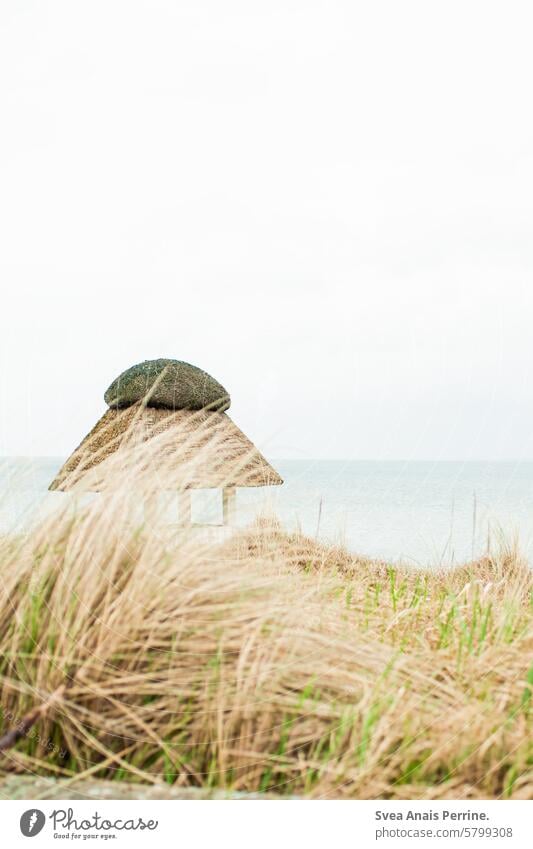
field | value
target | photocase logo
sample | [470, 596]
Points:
[63, 823]
[32, 822]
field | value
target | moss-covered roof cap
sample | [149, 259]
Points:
[170, 384]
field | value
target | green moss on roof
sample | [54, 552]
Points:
[171, 384]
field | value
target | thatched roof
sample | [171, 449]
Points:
[194, 449]
[172, 384]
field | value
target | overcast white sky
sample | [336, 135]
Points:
[327, 205]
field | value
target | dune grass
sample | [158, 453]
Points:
[267, 663]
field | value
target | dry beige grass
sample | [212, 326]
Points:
[268, 663]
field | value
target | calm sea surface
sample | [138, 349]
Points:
[423, 512]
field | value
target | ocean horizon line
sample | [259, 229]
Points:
[285, 459]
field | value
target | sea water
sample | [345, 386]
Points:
[429, 513]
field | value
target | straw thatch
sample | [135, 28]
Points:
[193, 449]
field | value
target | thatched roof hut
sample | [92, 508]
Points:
[202, 447]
